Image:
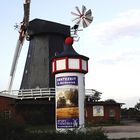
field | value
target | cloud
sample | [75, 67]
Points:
[126, 25]
[126, 56]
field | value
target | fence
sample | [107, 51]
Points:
[35, 93]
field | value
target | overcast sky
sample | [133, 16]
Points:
[112, 42]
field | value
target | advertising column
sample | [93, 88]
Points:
[69, 92]
[69, 68]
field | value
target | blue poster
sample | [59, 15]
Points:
[67, 112]
[66, 80]
[68, 123]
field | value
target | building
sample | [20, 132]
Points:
[31, 106]
[36, 100]
[35, 107]
[103, 112]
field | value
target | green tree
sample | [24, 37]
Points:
[61, 102]
[137, 106]
[95, 96]
[72, 95]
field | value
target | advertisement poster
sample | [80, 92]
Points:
[98, 111]
[67, 111]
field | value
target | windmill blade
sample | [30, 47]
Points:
[14, 64]
[77, 8]
[83, 9]
[75, 19]
[84, 23]
[16, 55]
[89, 19]
[26, 12]
[27, 1]
[88, 13]
[75, 14]
[78, 22]
[22, 34]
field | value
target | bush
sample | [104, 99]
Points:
[39, 117]
[69, 135]
[36, 118]
[10, 130]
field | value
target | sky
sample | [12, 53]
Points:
[111, 41]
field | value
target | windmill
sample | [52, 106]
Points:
[82, 19]
[22, 35]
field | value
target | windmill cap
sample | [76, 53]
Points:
[69, 51]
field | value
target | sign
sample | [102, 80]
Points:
[66, 80]
[67, 110]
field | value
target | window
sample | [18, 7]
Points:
[111, 113]
[84, 65]
[61, 64]
[7, 114]
[74, 63]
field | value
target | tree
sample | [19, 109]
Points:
[61, 102]
[72, 96]
[94, 96]
[137, 106]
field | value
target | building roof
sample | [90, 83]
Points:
[40, 26]
[103, 103]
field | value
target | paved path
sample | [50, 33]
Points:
[125, 131]
[125, 135]
[131, 131]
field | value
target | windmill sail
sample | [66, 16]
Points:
[26, 12]
[14, 64]
[22, 34]
[83, 17]
[83, 9]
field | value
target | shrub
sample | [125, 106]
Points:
[70, 135]
[10, 130]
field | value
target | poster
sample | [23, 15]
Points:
[98, 110]
[67, 110]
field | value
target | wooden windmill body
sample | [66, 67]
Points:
[46, 39]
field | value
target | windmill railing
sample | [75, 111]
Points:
[34, 93]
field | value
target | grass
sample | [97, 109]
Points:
[40, 128]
